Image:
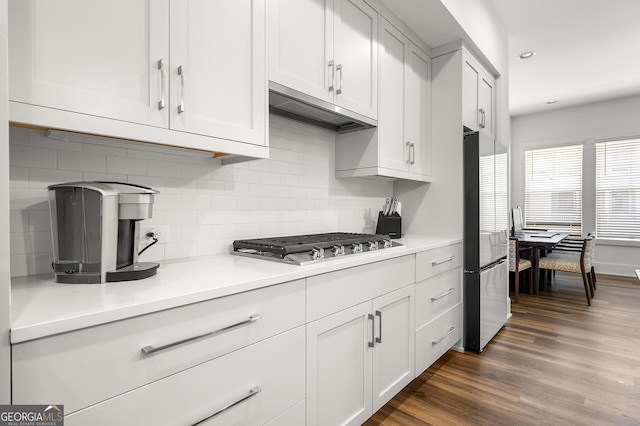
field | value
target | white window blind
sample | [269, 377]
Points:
[553, 189]
[618, 189]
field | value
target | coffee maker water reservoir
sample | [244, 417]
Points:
[95, 230]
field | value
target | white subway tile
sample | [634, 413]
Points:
[196, 171]
[42, 178]
[211, 187]
[18, 177]
[126, 165]
[29, 156]
[83, 161]
[164, 168]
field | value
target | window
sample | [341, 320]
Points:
[618, 189]
[553, 189]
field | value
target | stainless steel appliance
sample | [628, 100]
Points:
[486, 281]
[299, 106]
[312, 248]
[95, 230]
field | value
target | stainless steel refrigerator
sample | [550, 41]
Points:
[486, 238]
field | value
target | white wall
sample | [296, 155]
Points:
[583, 124]
[5, 284]
[204, 206]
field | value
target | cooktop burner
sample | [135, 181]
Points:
[303, 249]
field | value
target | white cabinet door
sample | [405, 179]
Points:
[486, 104]
[393, 354]
[356, 51]
[301, 45]
[218, 72]
[393, 153]
[478, 92]
[92, 57]
[418, 110]
[339, 367]
[470, 76]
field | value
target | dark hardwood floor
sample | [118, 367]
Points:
[557, 362]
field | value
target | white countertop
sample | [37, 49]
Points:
[41, 307]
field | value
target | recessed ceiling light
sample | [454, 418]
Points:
[527, 55]
[552, 101]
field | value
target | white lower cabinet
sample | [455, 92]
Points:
[250, 386]
[437, 337]
[88, 366]
[438, 303]
[359, 358]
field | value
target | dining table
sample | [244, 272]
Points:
[538, 242]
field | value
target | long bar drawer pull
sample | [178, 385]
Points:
[148, 350]
[252, 392]
[435, 342]
[448, 292]
[440, 262]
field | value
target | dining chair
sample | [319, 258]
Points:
[517, 265]
[572, 246]
[572, 263]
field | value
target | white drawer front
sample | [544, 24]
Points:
[433, 262]
[275, 366]
[294, 416]
[437, 294]
[332, 292]
[437, 337]
[87, 366]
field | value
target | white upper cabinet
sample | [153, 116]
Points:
[478, 90]
[326, 49]
[301, 45]
[356, 49]
[91, 57]
[183, 69]
[400, 147]
[218, 71]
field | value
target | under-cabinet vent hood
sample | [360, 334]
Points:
[302, 107]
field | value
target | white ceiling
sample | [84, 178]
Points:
[586, 50]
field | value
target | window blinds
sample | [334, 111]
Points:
[553, 189]
[618, 189]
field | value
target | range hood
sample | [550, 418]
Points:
[302, 107]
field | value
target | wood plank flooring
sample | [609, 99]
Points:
[557, 362]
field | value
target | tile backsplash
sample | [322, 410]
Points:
[202, 206]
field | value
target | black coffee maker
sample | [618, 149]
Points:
[95, 230]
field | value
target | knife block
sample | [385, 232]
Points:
[389, 225]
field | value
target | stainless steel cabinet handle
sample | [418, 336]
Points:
[408, 145]
[481, 111]
[333, 76]
[339, 89]
[451, 290]
[162, 86]
[435, 342]
[412, 153]
[440, 262]
[252, 392]
[379, 338]
[373, 331]
[148, 350]
[181, 72]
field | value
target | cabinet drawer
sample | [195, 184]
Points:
[87, 366]
[273, 370]
[332, 292]
[437, 294]
[437, 337]
[433, 262]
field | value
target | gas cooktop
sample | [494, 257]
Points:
[312, 248]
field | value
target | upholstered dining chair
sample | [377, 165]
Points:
[517, 265]
[572, 246]
[573, 263]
